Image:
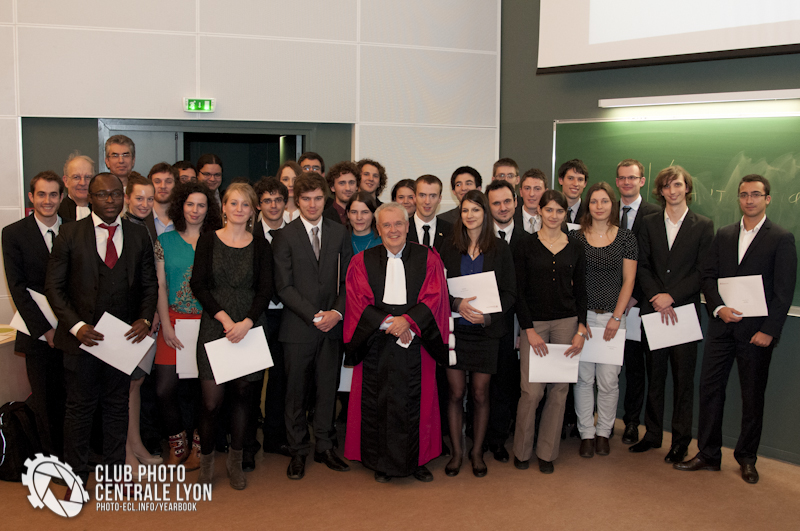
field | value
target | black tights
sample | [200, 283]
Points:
[168, 400]
[213, 397]
[455, 411]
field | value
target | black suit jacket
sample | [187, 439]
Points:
[443, 231]
[501, 261]
[772, 255]
[306, 286]
[675, 271]
[450, 216]
[644, 210]
[68, 210]
[25, 258]
[73, 276]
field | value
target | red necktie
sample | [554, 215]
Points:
[111, 249]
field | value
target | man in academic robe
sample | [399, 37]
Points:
[395, 330]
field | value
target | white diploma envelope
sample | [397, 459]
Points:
[481, 285]
[41, 301]
[234, 360]
[187, 330]
[345, 379]
[634, 324]
[553, 368]
[744, 294]
[573, 226]
[598, 350]
[114, 349]
[686, 330]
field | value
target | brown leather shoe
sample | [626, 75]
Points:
[193, 461]
[749, 472]
[177, 449]
[601, 446]
[587, 448]
[696, 463]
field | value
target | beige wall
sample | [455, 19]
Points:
[420, 79]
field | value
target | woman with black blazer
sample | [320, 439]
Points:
[232, 280]
[473, 248]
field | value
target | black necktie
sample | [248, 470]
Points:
[52, 238]
[624, 223]
[502, 234]
[569, 216]
[426, 239]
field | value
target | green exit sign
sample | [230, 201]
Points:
[199, 104]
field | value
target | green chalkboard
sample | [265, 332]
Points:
[716, 152]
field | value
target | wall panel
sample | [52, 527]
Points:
[299, 19]
[432, 23]
[175, 15]
[8, 105]
[10, 171]
[402, 85]
[138, 75]
[262, 79]
[6, 11]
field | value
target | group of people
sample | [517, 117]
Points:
[334, 276]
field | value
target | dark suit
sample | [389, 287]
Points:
[332, 214]
[443, 230]
[73, 290]
[68, 210]
[772, 255]
[504, 387]
[674, 271]
[634, 361]
[307, 286]
[451, 215]
[25, 258]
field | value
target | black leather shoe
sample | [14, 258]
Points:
[631, 434]
[676, 454]
[546, 467]
[500, 453]
[522, 465]
[423, 474]
[587, 448]
[601, 446]
[248, 462]
[381, 477]
[297, 467]
[453, 470]
[282, 449]
[749, 472]
[643, 446]
[696, 463]
[331, 460]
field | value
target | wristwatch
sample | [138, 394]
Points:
[617, 319]
[582, 335]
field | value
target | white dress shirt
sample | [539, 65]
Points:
[634, 208]
[421, 233]
[746, 237]
[537, 222]
[288, 217]
[507, 231]
[672, 228]
[575, 208]
[44, 229]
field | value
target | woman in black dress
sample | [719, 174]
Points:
[232, 280]
[475, 249]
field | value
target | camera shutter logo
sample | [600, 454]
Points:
[37, 477]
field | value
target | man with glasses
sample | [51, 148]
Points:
[78, 171]
[99, 264]
[312, 162]
[753, 246]
[120, 157]
[506, 169]
[632, 210]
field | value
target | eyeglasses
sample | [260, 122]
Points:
[103, 196]
[312, 168]
[754, 195]
[78, 178]
[276, 201]
[506, 175]
[117, 156]
[629, 178]
[211, 175]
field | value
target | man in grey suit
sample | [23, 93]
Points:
[312, 254]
